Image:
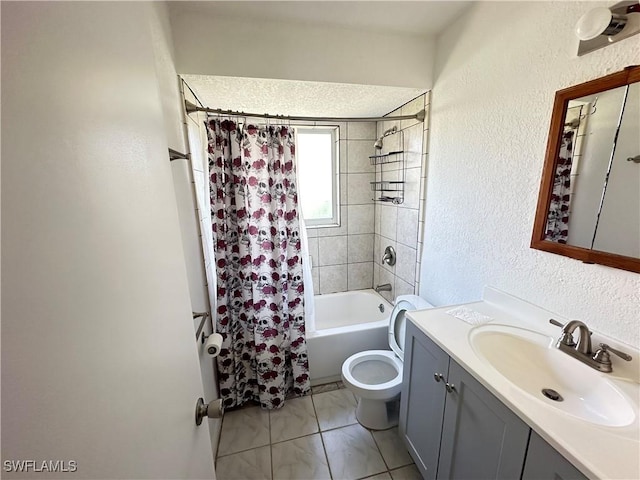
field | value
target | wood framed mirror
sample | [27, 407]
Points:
[589, 201]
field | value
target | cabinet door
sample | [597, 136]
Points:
[422, 399]
[481, 437]
[544, 462]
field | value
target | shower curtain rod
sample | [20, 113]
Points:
[190, 108]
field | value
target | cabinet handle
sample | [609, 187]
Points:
[450, 387]
[437, 377]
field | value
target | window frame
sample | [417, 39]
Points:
[334, 131]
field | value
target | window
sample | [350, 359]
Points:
[318, 175]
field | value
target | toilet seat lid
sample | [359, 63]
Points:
[398, 325]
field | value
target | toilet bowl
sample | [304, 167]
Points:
[375, 376]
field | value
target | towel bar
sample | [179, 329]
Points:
[204, 316]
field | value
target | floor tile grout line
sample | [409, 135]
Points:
[293, 438]
[388, 470]
[380, 451]
[319, 431]
[309, 434]
[339, 426]
[374, 475]
[324, 447]
[215, 460]
[244, 449]
[336, 428]
[300, 435]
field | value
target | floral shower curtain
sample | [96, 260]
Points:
[558, 219]
[260, 293]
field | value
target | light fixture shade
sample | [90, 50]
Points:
[593, 23]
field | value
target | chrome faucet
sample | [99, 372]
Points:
[583, 345]
[581, 350]
[385, 287]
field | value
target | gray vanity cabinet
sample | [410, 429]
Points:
[422, 399]
[481, 437]
[543, 462]
[459, 432]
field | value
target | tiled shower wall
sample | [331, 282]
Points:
[401, 226]
[348, 257]
[197, 146]
[342, 257]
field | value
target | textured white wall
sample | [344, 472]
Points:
[167, 77]
[208, 45]
[497, 69]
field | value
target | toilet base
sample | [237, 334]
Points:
[378, 414]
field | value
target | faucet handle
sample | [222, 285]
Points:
[555, 322]
[565, 338]
[605, 349]
[389, 256]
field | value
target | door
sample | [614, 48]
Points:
[422, 399]
[481, 437]
[99, 360]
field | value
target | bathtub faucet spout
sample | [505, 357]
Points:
[385, 287]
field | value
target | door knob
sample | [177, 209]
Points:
[450, 387]
[212, 409]
[438, 377]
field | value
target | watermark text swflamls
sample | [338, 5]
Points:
[62, 466]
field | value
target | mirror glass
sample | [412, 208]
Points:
[589, 202]
[596, 199]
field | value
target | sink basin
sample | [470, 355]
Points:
[530, 361]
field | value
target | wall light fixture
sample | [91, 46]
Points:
[603, 26]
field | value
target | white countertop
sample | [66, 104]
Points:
[597, 451]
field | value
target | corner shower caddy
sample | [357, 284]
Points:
[390, 190]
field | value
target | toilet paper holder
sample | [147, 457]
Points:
[216, 342]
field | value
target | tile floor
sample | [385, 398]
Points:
[314, 437]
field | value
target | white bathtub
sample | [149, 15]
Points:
[345, 323]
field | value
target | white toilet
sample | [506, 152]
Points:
[375, 376]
